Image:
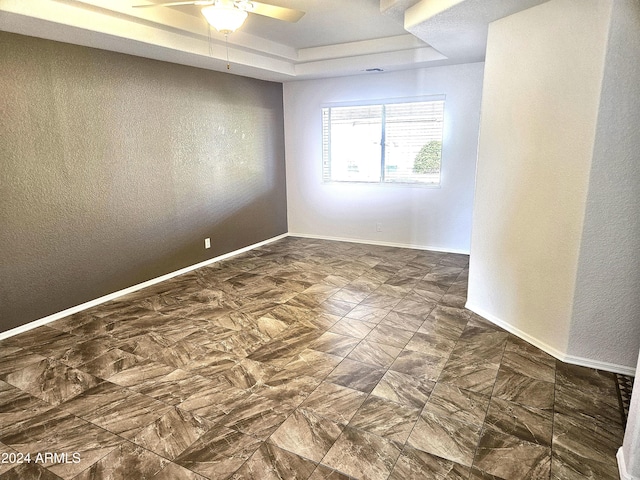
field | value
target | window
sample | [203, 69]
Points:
[383, 143]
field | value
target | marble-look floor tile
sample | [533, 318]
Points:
[15, 358]
[373, 353]
[17, 406]
[334, 344]
[173, 433]
[510, 457]
[404, 321]
[212, 363]
[362, 455]
[110, 363]
[6, 451]
[480, 345]
[313, 363]
[269, 327]
[88, 350]
[181, 354]
[415, 304]
[277, 353]
[586, 441]
[218, 453]
[59, 431]
[29, 471]
[141, 374]
[173, 471]
[126, 461]
[525, 359]
[352, 328]
[385, 418]
[455, 319]
[533, 425]
[445, 437]
[173, 388]
[44, 340]
[389, 335]
[418, 465]
[257, 416]
[378, 300]
[335, 307]
[430, 290]
[356, 375]
[597, 382]
[287, 388]
[397, 291]
[350, 294]
[523, 389]
[213, 402]
[51, 381]
[325, 473]
[334, 402]
[145, 345]
[116, 409]
[444, 275]
[455, 301]
[241, 344]
[570, 465]
[295, 340]
[453, 402]
[272, 463]
[480, 475]
[247, 373]
[306, 434]
[419, 365]
[431, 344]
[469, 375]
[588, 406]
[404, 389]
[368, 314]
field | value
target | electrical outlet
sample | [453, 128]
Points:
[207, 243]
[378, 227]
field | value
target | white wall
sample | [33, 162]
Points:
[437, 218]
[606, 312]
[543, 76]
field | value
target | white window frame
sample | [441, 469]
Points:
[326, 140]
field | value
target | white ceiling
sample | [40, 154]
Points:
[334, 38]
[326, 22]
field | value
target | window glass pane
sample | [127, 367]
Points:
[352, 137]
[413, 142]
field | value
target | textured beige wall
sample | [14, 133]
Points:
[113, 170]
[542, 85]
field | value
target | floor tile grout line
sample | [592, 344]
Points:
[484, 422]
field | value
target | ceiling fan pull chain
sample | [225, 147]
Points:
[226, 42]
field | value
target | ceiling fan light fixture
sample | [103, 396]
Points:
[224, 18]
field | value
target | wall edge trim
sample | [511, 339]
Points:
[382, 244]
[558, 354]
[111, 296]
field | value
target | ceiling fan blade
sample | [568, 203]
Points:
[281, 13]
[173, 4]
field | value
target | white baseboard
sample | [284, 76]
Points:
[562, 356]
[120, 293]
[383, 244]
[622, 467]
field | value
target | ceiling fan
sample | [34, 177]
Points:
[226, 16]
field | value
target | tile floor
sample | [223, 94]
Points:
[303, 359]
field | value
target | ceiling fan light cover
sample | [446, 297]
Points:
[225, 19]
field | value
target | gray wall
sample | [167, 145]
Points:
[113, 170]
